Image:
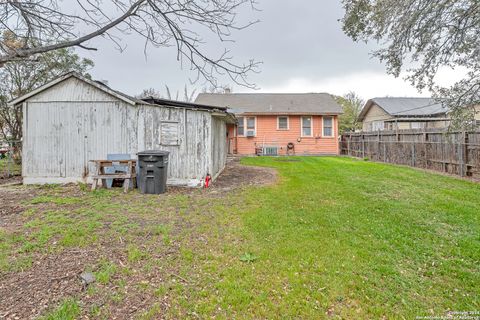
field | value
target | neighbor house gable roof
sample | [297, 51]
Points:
[405, 107]
[272, 103]
[69, 75]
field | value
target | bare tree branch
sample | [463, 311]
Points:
[31, 27]
[422, 37]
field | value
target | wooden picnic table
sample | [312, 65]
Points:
[129, 176]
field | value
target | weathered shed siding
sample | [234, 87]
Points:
[73, 122]
[190, 158]
[72, 89]
[61, 137]
[219, 145]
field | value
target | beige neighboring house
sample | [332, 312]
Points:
[405, 113]
[392, 113]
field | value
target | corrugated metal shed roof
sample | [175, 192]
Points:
[68, 75]
[125, 97]
[273, 103]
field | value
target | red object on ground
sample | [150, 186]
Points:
[208, 178]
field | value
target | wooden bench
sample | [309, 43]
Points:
[129, 176]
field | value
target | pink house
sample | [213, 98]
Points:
[279, 124]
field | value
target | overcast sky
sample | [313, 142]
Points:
[300, 43]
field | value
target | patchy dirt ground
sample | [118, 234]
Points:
[237, 175]
[11, 204]
[132, 243]
[11, 180]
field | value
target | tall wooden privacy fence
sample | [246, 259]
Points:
[451, 152]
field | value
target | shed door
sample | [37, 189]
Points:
[96, 130]
[105, 125]
[74, 135]
[44, 141]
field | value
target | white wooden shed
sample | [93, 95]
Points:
[72, 120]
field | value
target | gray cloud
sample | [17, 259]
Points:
[295, 39]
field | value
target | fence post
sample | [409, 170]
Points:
[465, 151]
[413, 154]
[463, 154]
[460, 156]
[378, 145]
[348, 144]
[425, 144]
[444, 163]
[363, 146]
[384, 149]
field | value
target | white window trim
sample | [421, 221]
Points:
[378, 125]
[323, 127]
[246, 128]
[311, 126]
[288, 123]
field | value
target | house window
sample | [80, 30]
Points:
[282, 123]
[306, 126]
[241, 126]
[378, 125]
[417, 125]
[251, 126]
[328, 126]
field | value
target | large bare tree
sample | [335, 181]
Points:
[30, 27]
[421, 37]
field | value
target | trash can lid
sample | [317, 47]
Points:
[153, 153]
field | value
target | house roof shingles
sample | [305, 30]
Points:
[272, 103]
[410, 106]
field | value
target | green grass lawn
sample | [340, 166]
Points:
[349, 238]
[333, 238]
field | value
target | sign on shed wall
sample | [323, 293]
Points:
[169, 133]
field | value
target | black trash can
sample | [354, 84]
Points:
[152, 174]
